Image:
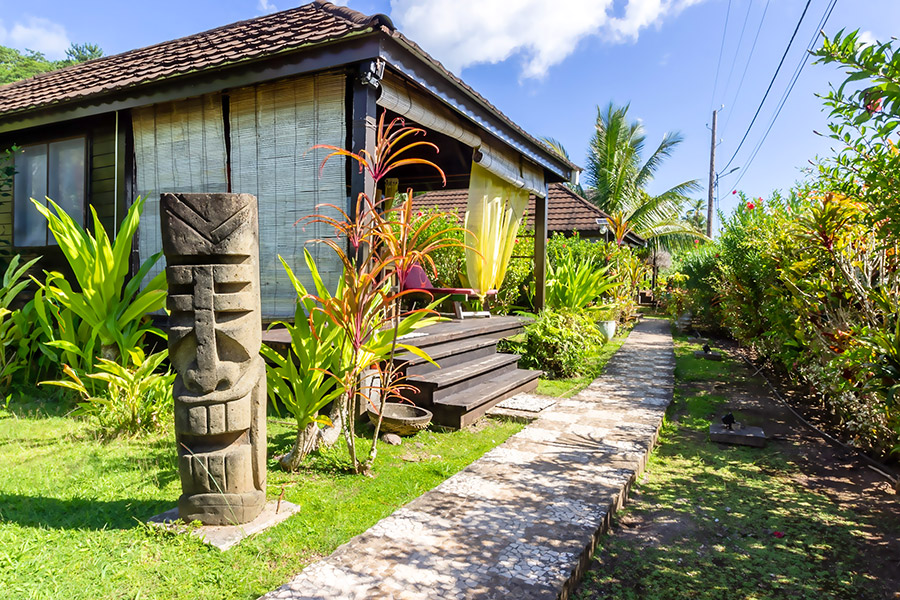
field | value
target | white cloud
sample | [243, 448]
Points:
[35, 33]
[867, 38]
[265, 6]
[542, 34]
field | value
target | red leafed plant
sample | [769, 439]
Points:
[384, 243]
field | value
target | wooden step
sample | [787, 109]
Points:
[469, 405]
[445, 382]
[446, 355]
[453, 330]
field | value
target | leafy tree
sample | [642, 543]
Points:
[16, 65]
[618, 178]
[78, 53]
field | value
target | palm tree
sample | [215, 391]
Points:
[696, 213]
[557, 146]
[617, 179]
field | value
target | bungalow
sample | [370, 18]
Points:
[567, 213]
[236, 109]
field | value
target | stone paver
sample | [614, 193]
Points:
[522, 521]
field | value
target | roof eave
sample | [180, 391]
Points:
[418, 66]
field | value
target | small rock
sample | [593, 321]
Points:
[391, 439]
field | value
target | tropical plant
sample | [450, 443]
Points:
[13, 357]
[106, 315]
[311, 374]
[135, 399]
[577, 285]
[617, 180]
[385, 242]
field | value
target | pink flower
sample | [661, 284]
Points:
[696, 241]
[750, 206]
[734, 191]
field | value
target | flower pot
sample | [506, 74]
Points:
[402, 419]
[608, 329]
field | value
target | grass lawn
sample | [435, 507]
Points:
[72, 509]
[716, 522]
[566, 388]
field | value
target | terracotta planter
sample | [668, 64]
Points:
[402, 419]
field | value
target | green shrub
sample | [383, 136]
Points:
[134, 399]
[558, 343]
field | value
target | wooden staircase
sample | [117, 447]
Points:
[473, 376]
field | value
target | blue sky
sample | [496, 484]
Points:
[548, 65]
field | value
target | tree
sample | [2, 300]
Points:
[617, 179]
[696, 214]
[556, 146]
[16, 65]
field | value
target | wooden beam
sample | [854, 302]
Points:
[362, 132]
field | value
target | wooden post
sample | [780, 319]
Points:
[362, 131]
[540, 250]
[712, 178]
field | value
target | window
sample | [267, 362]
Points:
[55, 170]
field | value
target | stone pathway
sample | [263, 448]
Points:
[522, 521]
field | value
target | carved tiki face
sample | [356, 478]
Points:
[213, 290]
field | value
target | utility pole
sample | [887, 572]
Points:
[712, 178]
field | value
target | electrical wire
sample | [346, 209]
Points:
[803, 62]
[737, 50]
[737, 92]
[712, 98]
[771, 83]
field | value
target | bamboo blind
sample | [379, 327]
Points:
[179, 147]
[273, 127]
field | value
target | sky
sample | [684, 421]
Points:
[549, 65]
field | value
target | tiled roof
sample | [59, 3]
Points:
[566, 210]
[242, 41]
[253, 39]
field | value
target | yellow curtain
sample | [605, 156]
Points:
[493, 215]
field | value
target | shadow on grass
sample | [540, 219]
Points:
[78, 513]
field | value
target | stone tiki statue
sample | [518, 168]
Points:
[211, 244]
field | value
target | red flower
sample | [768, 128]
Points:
[696, 241]
[750, 206]
[419, 213]
[778, 534]
[734, 191]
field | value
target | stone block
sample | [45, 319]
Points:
[708, 355]
[740, 435]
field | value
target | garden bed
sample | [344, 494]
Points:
[797, 519]
[73, 508]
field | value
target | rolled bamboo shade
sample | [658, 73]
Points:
[179, 147]
[273, 127]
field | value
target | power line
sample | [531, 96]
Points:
[737, 49]
[746, 65]
[712, 98]
[803, 62]
[771, 83]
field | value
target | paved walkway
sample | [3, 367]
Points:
[522, 521]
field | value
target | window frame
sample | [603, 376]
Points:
[81, 218]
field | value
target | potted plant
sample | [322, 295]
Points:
[606, 321]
